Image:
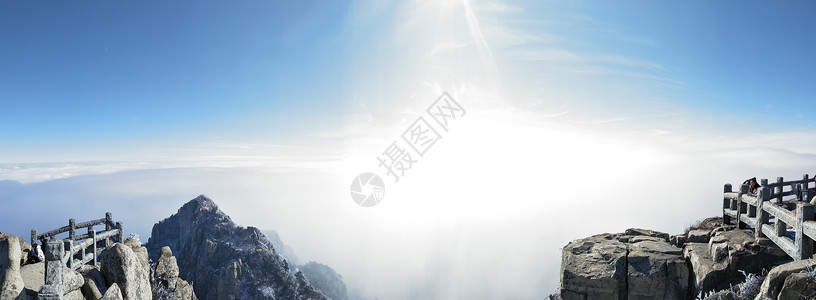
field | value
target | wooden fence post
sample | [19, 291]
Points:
[804, 244]
[762, 219]
[726, 203]
[779, 189]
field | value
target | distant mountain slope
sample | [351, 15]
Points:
[226, 261]
[321, 276]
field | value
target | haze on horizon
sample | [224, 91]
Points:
[581, 118]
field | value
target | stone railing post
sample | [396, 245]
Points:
[71, 229]
[741, 207]
[93, 245]
[804, 244]
[121, 236]
[779, 189]
[34, 237]
[54, 268]
[69, 252]
[726, 204]
[108, 221]
[763, 199]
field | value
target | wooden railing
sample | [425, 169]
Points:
[792, 229]
[80, 249]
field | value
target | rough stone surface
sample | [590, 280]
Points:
[167, 268]
[113, 293]
[594, 267]
[776, 277]
[212, 251]
[122, 266]
[184, 291]
[717, 264]
[698, 236]
[798, 286]
[33, 276]
[11, 282]
[656, 270]
[24, 246]
[93, 273]
[90, 290]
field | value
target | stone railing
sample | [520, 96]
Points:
[74, 251]
[790, 225]
[77, 246]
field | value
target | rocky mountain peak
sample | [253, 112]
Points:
[224, 260]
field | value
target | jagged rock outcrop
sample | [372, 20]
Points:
[720, 263]
[121, 265]
[226, 261]
[113, 293]
[167, 269]
[11, 282]
[326, 280]
[637, 264]
[788, 281]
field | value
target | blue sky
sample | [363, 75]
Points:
[273, 107]
[91, 75]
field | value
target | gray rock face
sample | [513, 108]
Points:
[226, 261]
[657, 270]
[113, 293]
[776, 279]
[638, 264]
[326, 280]
[167, 269]
[122, 266]
[594, 267]
[798, 286]
[11, 282]
[716, 265]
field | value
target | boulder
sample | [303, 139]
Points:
[775, 280]
[24, 246]
[698, 236]
[122, 266]
[656, 270]
[167, 269]
[798, 286]
[594, 267]
[184, 291]
[33, 276]
[92, 273]
[11, 282]
[113, 293]
[90, 290]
